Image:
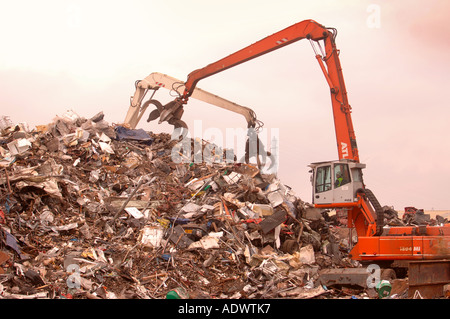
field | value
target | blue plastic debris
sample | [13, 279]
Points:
[138, 135]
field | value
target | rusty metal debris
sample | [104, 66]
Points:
[99, 211]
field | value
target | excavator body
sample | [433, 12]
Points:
[339, 184]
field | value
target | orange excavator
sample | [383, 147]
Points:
[339, 184]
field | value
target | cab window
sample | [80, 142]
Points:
[356, 175]
[341, 175]
[323, 179]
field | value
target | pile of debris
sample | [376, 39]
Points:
[93, 210]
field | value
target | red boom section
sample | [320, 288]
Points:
[311, 30]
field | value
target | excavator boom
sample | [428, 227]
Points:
[315, 32]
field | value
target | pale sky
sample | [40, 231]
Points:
[85, 56]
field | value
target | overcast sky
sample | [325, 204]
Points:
[86, 56]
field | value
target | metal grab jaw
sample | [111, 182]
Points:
[254, 148]
[170, 113]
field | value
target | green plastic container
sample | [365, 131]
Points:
[177, 293]
[384, 288]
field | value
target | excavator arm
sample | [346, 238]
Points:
[173, 111]
[328, 61]
[156, 80]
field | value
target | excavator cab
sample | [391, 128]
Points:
[336, 182]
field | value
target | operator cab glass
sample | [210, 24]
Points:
[323, 179]
[336, 181]
[341, 175]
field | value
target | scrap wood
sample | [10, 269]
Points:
[163, 274]
[141, 181]
[7, 181]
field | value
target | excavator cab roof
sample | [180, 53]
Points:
[351, 163]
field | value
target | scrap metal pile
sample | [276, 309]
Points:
[93, 210]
